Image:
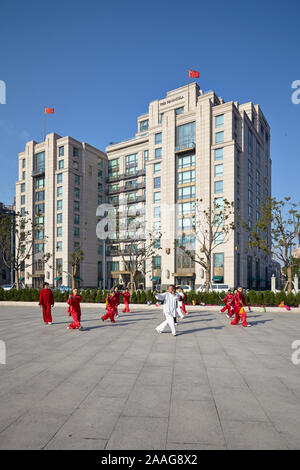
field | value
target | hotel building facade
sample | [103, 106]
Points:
[191, 146]
[61, 182]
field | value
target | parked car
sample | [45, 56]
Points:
[185, 288]
[7, 286]
[213, 288]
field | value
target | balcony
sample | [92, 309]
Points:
[125, 176]
[185, 147]
[38, 171]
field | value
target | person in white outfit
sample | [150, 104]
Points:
[170, 300]
[179, 303]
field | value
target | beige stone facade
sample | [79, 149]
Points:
[60, 183]
[192, 145]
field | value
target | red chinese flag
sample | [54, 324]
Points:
[194, 74]
[49, 110]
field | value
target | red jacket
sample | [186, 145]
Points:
[238, 301]
[228, 298]
[117, 296]
[111, 303]
[126, 296]
[74, 302]
[46, 297]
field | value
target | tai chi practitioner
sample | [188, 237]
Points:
[117, 295]
[238, 303]
[111, 301]
[46, 301]
[74, 310]
[126, 300]
[180, 302]
[170, 300]
[227, 299]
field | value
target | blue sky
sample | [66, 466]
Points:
[100, 63]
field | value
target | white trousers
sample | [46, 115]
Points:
[179, 311]
[168, 321]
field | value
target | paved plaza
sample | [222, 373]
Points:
[123, 386]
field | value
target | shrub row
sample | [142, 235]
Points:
[141, 297]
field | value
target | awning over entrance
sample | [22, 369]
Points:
[155, 278]
[78, 279]
[218, 278]
[58, 278]
[183, 275]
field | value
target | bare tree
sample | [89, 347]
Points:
[277, 231]
[24, 230]
[211, 229]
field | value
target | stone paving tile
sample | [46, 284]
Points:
[123, 386]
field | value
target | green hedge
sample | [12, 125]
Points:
[253, 298]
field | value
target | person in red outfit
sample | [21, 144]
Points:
[238, 303]
[111, 302]
[117, 295]
[46, 301]
[126, 300]
[227, 299]
[74, 310]
[183, 303]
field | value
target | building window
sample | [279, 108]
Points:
[219, 170]
[161, 118]
[100, 173]
[59, 231]
[185, 135]
[23, 163]
[23, 175]
[100, 188]
[59, 218]
[144, 125]
[219, 154]
[187, 192]
[156, 197]
[59, 246]
[131, 164]
[59, 205]
[59, 191]
[99, 250]
[156, 262]
[158, 152]
[186, 223]
[75, 152]
[100, 199]
[22, 211]
[250, 196]
[22, 200]
[39, 196]
[77, 193]
[61, 151]
[250, 165]
[75, 165]
[220, 120]
[157, 167]
[77, 180]
[59, 178]
[39, 248]
[186, 161]
[77, 219]
[218, 187]
[39, 161]
[250, 143]
[218, 204]
[250, 181]
[76, 232]
[158, 138]
[157, 182]
[61, 164]
[39, 209]
[186, 208]
[156, 212]
[23, 188]
[257, 202]
[39, 182]
[219, 137]
[218, 238]
[76, 206]
[186, 177]
[179, 110]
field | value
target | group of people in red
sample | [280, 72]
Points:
[46, 301]
[113, 301]
[234, 304]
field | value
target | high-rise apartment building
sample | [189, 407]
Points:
[6, 269]
[61, 182]
[189, 146]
